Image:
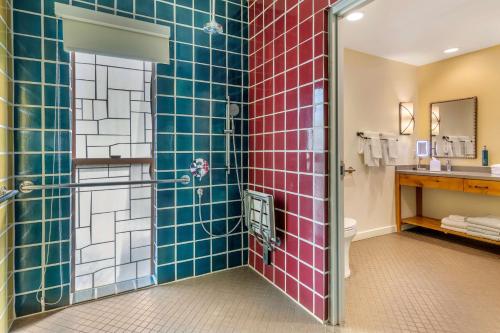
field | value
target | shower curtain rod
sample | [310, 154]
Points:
[28, 186]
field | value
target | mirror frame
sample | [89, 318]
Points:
[474, 98]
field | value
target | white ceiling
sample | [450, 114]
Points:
[418, 31]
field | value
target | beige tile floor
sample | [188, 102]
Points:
[409, 282]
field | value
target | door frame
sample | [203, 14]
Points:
[336, 157]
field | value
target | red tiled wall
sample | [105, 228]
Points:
[289, 142]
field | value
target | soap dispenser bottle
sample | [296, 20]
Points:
[485, 156]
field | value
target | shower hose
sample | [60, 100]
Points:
[200, 194]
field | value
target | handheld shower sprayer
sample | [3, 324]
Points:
[232, 110]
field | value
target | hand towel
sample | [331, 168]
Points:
[388, 161]
[376, 147]
[483, 231]
[368, 157]
[488, 221]
[452, 223]
[477, 234]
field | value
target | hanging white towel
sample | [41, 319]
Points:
[376, 147]
[388, 161]
[468, 145]
[368, 157]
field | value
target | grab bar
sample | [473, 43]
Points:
[7, 194]
[28, 186]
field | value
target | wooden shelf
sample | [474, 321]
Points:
[430, 223]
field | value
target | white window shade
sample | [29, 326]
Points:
[105, 34]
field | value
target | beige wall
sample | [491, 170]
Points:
[473, 74]
[373, 89]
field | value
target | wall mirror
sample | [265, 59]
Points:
[454, 128]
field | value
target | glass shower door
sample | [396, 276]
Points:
[112, 142]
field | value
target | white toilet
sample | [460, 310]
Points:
[349, 233]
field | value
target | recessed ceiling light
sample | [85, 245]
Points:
[355, 16]
[452, 50]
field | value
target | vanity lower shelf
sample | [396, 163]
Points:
[480, 185]
[434, 224]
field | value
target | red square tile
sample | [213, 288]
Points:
[268, 178]
[292, 203]
[292, 180]
[306, 230]
[320, 234]
[291, 141]
[279, 259]
[292, 75]
[292, 165]
[292, 287]
[306, 51]
[279, 161]
[307, 208]
[320, 259]
[306, 95]
[306, 117]
[306, 73]
[321, 283]
[306, 30]
[279, 279]
[306, 140]
[269, 272]
[279, 83]
[279, 120]
[279, 217]
[292, 266]
[306, 252]
[279, 199]
[291, 119]
[292, 224]
[279, 181]
[292, 18]
[259, 264]
[268, 140]
[291, 99]
[292, 246]
[305, 9]
[306, 298]
[306, 275]
[279, 140]
[320, 307]
[306, 184]
[292, 38]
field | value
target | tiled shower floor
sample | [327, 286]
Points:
[237, 300]
[409, 282]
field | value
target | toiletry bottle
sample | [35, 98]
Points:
[485, 156]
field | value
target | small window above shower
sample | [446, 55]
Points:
[113, 116]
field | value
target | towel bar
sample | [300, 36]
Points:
[7, 194]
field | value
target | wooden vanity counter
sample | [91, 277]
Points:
[481, 183]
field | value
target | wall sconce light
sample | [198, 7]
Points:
[406, 118]
[435, 120]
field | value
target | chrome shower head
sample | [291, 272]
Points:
[234, 110]
[213, 27]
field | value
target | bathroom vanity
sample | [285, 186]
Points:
[469, 180]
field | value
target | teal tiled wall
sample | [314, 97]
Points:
[191, 94]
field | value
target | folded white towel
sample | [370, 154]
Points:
[477, 234]
[459, 218]
[488, 221]
[454, 228]
[483, 231]
[452, 223]
[482, 227]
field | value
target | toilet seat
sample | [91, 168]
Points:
[349, 233]
[349, 224]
